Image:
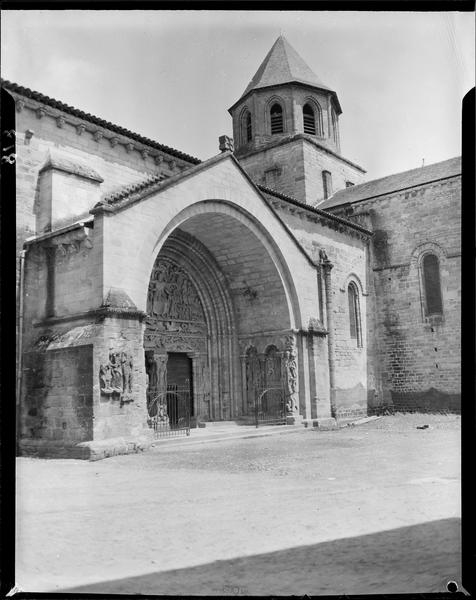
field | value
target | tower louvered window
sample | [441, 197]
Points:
[249, 133]
[309, 119]
[276, 114]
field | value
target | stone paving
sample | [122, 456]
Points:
[368, 509]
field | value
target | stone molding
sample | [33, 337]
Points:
[96, 313]
[69, 242]
[356, 279]
[70, 167]
[99, 133]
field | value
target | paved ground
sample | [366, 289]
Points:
[368, 509]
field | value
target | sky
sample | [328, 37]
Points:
[172, 75]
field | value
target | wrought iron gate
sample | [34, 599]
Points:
[170, 411]
[270, 407]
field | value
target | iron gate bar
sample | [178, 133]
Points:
[169, 412]
[264, 415]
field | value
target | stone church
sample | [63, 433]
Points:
[274, 265]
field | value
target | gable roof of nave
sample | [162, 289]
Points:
[392, 184]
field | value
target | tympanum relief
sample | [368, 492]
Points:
[175, 322]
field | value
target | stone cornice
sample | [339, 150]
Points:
[300, 84]
[72, 168]
[299, 136]
[76, 231]
[315, 214]
[97, 313]
[100, 130]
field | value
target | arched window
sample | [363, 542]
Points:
[432, 286]
[354, 313]
[245, 127]
[248, 127]
[276, 114]
[309, 119]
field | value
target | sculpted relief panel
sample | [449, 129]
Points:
[176, 321]
[115, 377]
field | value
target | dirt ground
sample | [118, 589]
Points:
[367, 509]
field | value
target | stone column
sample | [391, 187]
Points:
[327, 267]
[244, 389]
[197, 395]
[312, 374]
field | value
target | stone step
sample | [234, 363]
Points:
[223, 424]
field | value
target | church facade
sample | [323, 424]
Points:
[271, 266]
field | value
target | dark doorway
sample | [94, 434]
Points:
[180, 385]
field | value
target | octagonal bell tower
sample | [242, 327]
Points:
[286, 129]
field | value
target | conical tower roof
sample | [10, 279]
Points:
[283, 65]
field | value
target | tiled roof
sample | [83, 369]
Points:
[317, 211]
[153, 183]
[283, 65]
[136, 188]
[14, 87]
[394, 183]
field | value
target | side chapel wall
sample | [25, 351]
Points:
[420, 357]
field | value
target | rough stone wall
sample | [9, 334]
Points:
[295, 168]
[315, 162]
[419, 356]
[61, 378]
[58, 405]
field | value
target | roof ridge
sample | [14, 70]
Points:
[39, 97]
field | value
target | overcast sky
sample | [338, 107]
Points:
[172, 75]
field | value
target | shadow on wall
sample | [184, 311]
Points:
[416, 559]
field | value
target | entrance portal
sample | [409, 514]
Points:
[179, 386]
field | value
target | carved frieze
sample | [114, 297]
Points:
[115, 377]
